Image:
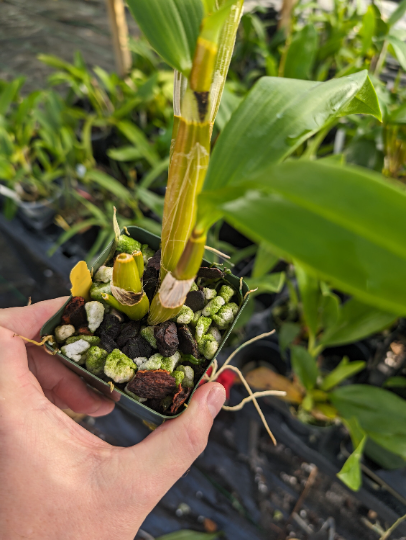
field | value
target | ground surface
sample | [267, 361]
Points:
[58, 27]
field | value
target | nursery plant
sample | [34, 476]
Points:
[320, 215]
[39, 149]
[324, 320]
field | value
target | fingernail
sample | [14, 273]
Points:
[215, 399]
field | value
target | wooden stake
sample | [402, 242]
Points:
[119, 32]
[286, 15]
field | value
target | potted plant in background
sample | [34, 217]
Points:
[39, 153]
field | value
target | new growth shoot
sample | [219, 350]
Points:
[197, 98]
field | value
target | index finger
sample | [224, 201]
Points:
[27, 321]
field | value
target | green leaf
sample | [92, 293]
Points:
[397, 47]
[190, 535]
[325, 217]
[265, 260]
[304, 366]
[276, 117]
[109, 183]
[396, 382]
[151, 200]
[344, 370]
[381, 414]
[229, 103]
[356, 321]
[329, 307]
[310, 295]
[301, 54]
[368, 29]
[125, 153]
[75, 229]
[398, 13]
[137, 137]
[271, 283]
[172, 28]
[350, 474]
[9, 93]
[287, 335]
[365, 102]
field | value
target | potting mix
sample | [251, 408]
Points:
[155, 365]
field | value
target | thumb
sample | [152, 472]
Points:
[170, 450]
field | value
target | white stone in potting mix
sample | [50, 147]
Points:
[62, 333]
[185, 315]
[75, 350]
[152, 363]
[140, 360]
[104, 274]
[95, 314]
[213, 306]
[215, 332]
[209, 294]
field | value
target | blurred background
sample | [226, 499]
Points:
[85, 125]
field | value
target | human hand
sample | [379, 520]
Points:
[60, 482]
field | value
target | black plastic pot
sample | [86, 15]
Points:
[382, 490]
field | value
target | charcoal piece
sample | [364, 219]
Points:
[166, 336]
[75, 313]
[107, 343]
[187, 343]
[195, 300]
[151, 275]
[155, 384]
[137, 348]
[210, 273]
[179, 398]
[110, 327]
[129, 330]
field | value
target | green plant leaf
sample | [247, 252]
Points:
[109, 183]
[265, 260]
[365, 102]
[398, 13]
[287, 334]
[397, 47]
[329, 307]
[396, 382]
[301, 54]
[190, 535]
[368, 29]
[172, 28]
[333, 231]
[344, 370]
[151, 200]
[276, 117]
[8, 94]
[270, 283]
[310, 295]
[137, 137]
[304, 366]
[356, 321]
[350, 474]
[380, 413]
[125, 153]
[229, 103]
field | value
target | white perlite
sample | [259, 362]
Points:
[215, 332]
[62, 333]
[140, 360]
[209, 294]
[104, 274]
[75, 350]
[95, 314]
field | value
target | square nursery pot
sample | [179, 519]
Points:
[136, 409]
